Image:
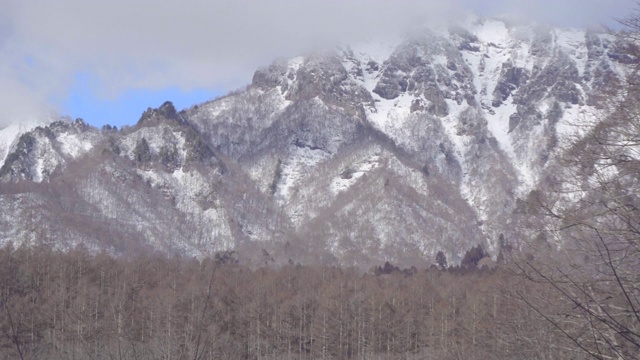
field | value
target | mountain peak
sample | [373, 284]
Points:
[390, 150]
[166, 112]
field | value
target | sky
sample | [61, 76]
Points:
[106, 61]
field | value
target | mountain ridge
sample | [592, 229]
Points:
[368, 153]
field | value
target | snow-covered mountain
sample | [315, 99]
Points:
[386, 150]
[9, 135]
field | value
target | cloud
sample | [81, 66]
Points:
[568, 13]
[197, 42]
[193, 44]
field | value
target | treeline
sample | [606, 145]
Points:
[77, 305]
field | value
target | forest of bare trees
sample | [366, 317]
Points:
[75, 305]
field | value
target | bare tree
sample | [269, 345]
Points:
[589, 256]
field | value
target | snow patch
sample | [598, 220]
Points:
[389, 114]
[498, 124]
[361, 54]
[73, 145]
[218, 107]
[491, 31]
[9, 137]
[573, 42]
[351, 174]
[576, 122]
[295, 63]
[296, 168]
[450, 124]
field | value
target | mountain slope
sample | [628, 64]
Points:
[376, 151]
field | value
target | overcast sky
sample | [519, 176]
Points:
[106, 61]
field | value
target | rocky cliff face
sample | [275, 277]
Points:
[372, 152]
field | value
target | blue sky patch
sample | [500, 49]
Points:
[125, 109]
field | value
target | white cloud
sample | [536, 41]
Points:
[209, 44]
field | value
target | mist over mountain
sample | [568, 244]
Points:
[386, 150]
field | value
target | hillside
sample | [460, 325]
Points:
[371, 152]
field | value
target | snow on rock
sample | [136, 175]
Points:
[572, 41]
[74, 145]
[156, 138]
[44, 159]
[389, 115]
[9, 136]
[193, 194]
[296, 168]
[352, 173]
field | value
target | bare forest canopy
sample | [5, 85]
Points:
[64, 305]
